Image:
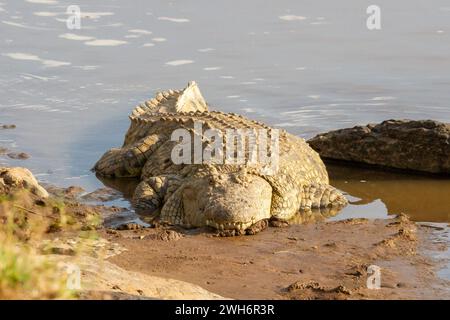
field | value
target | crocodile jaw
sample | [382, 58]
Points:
[228, 203]
[240, 226]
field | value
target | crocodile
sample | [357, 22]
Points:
[230, 197]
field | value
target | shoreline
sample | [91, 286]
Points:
[325, 260]
[314, 260]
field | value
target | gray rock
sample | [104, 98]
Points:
[17, 178]
[422, 145]
[8, 126]
[18, 155]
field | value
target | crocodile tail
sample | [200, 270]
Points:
[191, 99]
[171, 101]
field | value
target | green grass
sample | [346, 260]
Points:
[24, 273]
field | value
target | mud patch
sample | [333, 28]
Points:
[326, 260]
[166, 235]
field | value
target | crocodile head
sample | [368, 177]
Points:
[227, 201]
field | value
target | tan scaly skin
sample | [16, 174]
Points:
[224, 196]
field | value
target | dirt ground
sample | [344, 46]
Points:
[324, 260]
[312, 260]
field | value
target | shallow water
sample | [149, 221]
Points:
[305, 66]
[375, 193]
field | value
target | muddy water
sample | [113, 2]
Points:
[379, 193]
[304, 66]
[375, 193]
[372, 193]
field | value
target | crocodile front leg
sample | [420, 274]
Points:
[128, 161]
[285, 199]
[150, 194]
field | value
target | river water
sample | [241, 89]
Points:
[306, 66]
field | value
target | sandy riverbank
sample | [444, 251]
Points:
[325, 260]
[317, 259]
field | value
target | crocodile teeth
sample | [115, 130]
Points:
[229, 225]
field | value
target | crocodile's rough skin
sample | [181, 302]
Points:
[418, 145]
[227, 197]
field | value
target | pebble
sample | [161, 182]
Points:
[18, 156]
[8, 126]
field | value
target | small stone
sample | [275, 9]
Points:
[62, 249]
[18, 156]
[167, 235]
[330, 244]
[73, 191]
[8, 126]
[279, 223]
[40, 202]
[103, 195]
[129, 226]
[343, 289]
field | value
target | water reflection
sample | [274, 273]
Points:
[372, 193]
[127, 186]
[423, 198]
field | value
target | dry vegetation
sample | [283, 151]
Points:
[26, 221]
